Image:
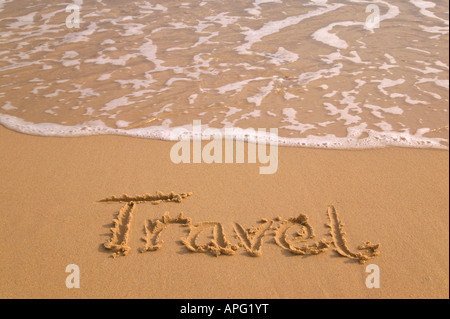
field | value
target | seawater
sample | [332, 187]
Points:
[312, 69]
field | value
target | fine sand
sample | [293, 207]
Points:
[293, 234]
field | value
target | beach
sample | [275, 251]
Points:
[253, 149]
[52, 216]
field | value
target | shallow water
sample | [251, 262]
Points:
[317, 71]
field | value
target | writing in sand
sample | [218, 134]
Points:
[295, 234]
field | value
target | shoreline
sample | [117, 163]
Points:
[363, 140]
[52, 217]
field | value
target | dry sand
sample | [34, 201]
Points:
[52, 215]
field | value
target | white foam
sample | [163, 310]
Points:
[324, 35]
[237, 86]
[192, 98]
[290, 117]
[113, 104]
[108, 41]
[442, 83]
[132, 29]
[272, 27]
[288, 96]
[256, 10]
[263, 92]
[223, 19]
[148, 6]
[388, 83]
[23, 22]
[377, 110]
[283, 56]
[424, 6]
[104, 77]
[8, 106]
[384, 126]
[122, 124]
[344, 114]
[353, 140]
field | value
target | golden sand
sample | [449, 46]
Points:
[51, 218]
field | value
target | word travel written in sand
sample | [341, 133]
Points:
[294, 234]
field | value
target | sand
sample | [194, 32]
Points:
[240, 234]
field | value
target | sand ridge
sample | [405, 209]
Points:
[282, 239]
[250, 239]
[155, 199]
[121, 230]
[218, 245]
